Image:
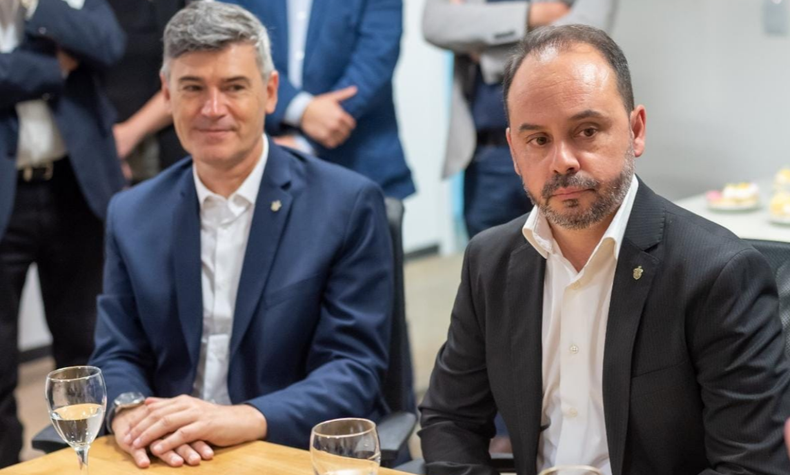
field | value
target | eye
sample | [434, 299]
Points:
[589, 132]
[191, 88]
[540, 140]
[235, 88]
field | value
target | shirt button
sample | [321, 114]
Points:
[300, 55]
[572, 412]
[576, 285]
[574, 349]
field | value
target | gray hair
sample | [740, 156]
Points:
[212, 26]
[565, 37]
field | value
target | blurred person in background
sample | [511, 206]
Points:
[336, 59]
[144, 134]
[58, 170]
[481, 35]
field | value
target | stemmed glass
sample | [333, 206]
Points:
[571, 470]
[77, 399]
[345, 447]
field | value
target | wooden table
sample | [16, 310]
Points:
[105, 458]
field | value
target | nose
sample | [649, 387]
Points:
[214, 105]
[564, 161]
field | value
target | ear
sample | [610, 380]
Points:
[271, 92]
[512, 155]
[638, 124]
[166, 93]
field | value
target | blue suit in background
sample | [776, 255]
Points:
[349, 43]
[54, 219]
[311, 327]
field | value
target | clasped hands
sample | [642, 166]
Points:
[182, 429]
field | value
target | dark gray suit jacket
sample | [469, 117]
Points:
[695, 380]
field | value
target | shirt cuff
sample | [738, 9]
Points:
[295, 110]
[303, 144]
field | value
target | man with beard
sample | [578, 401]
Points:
[609, 327]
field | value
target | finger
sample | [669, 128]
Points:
[165, 425]
[171, 458]
[153, 415]
[188, 454]
[347, 120]
[343, 94]
[140, 458]
[203, 449]
[184, 435]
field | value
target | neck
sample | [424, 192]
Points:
[225, 180]
[577, 245]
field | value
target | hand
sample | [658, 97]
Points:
[542, 14]
[287, 141]
[787, 435]
[171, 423]
[326, 121]
[192, 453]
[126, 138]
[67, 62]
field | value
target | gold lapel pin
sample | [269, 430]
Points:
[638, 273]
[276, 205]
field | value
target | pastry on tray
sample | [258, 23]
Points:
[780, 208]
[735, 197]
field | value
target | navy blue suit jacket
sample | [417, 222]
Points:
[349, 43]
[82, 112]
[311, 327]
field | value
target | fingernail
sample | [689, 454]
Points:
[157, 448]
[176, 459]
[128, 439]
[194, 459]
[137, 443]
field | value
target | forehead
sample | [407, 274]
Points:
[234, 60]
[563, 80]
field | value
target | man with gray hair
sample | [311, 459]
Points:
[247, 288]
[609, 327]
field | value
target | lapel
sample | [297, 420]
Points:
[265, 232]
[317, 21]
[524, 315]
[645, 230]
[187, 266]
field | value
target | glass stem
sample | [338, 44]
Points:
[82, 456]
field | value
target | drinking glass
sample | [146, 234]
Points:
[571, 470]
[77, 399]
[345, 447]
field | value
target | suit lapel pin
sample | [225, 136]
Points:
[638, 273]
[276, 205]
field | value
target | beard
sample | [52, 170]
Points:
[608, 197]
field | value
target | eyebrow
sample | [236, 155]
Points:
[586, 114]
[227, 80]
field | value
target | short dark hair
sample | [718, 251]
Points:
[563, 38]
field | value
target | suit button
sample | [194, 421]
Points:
[42, 30]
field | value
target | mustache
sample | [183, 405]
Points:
[568, 181]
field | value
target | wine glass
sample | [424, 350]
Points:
[571, 470]
[345, 447]
[77, 399]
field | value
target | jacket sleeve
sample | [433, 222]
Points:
[375, 54]
[348, 355]
[737, 346]
[91, 33]
[458, 409]
[122, 350]
[468, 27]
[27, 75]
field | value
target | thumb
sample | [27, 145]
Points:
[343, 94]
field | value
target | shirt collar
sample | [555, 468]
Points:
[538, 233]
[248, 191]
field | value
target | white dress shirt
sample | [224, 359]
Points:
[298, 26]
[40, 141]
[575, 313]
[224, 231]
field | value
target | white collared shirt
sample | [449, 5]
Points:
[40, 141]
[224, 231]
[575, 314]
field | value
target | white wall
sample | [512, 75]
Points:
[716, 88]
[422, 81]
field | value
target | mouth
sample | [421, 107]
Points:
[214, 132]
[569, 193]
